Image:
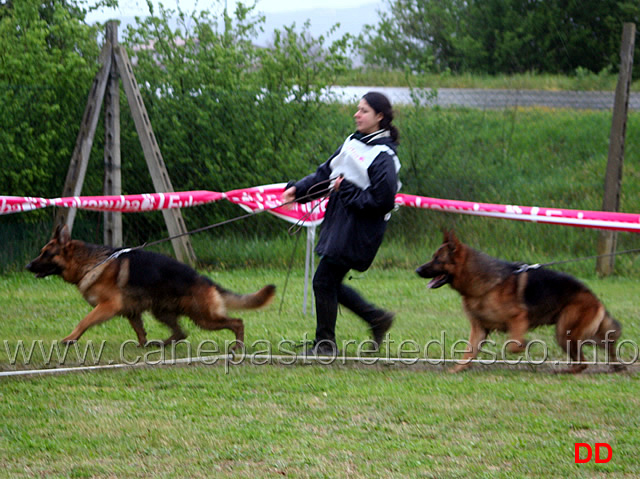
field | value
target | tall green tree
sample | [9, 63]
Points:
[418, 34]
[500, 36]
[555, 36]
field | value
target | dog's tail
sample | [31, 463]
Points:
[249, 301]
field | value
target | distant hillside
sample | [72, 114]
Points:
[351, 20]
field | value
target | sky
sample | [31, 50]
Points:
[351, 15]
[139, 7]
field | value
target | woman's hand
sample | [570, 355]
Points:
[289, 196]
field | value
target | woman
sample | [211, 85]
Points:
[364, 177]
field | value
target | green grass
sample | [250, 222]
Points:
[339, 420]
[346, 420]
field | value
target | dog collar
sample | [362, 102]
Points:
[526, 267]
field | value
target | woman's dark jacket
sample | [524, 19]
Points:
[356, 216]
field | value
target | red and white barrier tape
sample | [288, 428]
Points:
[122, 203]
[267, 197]
[567, 217]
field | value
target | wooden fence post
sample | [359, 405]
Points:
[611, 202]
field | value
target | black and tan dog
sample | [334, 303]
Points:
[503, 296]
[127, 283]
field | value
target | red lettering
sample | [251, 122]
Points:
[578, 446]
[600, 445]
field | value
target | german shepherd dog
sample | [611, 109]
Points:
[135, 281]
[504, 296]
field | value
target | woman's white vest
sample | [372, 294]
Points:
[355, 157]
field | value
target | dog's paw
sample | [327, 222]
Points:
[575, 369]
[517, 346]
[459, 368]
[617, 368]
[69, 340]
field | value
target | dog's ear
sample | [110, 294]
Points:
[450, 236]
[451, 240]
[62, 234]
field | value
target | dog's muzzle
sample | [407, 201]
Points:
[438, 278]
[42, 272]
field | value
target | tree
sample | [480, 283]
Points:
[500, 36]
[554, 36]
[418, 34]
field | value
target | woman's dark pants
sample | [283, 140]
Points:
[329, 292]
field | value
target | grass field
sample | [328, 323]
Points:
[345, 419]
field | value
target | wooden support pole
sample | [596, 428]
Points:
[80, 157]
[112, 163]
[159, 175]
[115, 65]
[613, 178]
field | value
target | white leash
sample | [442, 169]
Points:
[288, 360]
